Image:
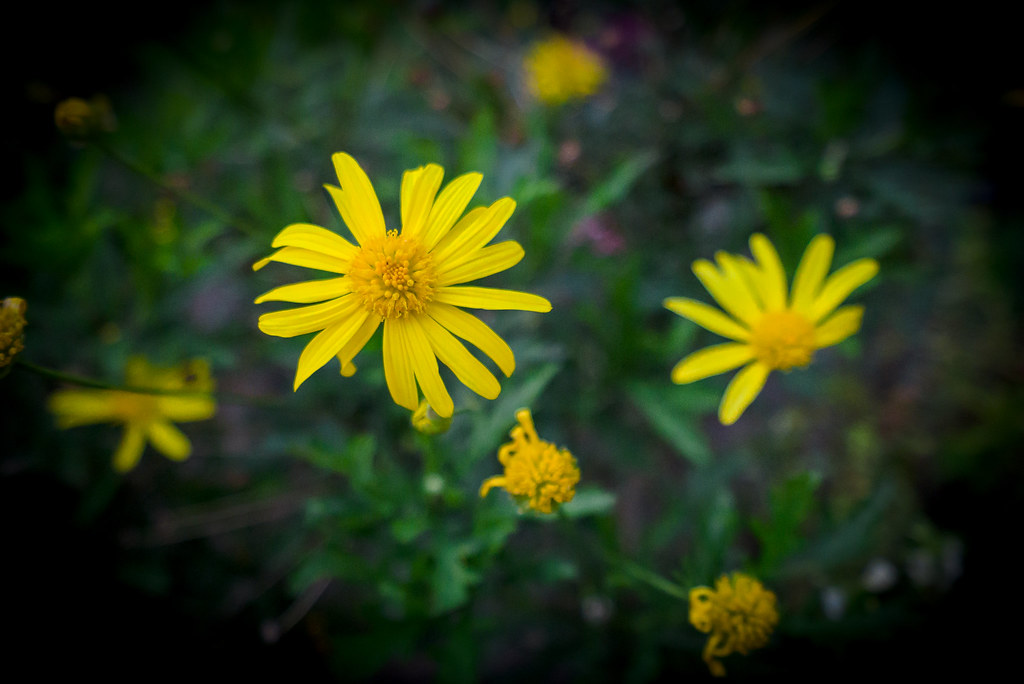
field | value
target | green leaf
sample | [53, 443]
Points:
[790, 503]
[589, 501]
[479, 150]
[777, 166]
[619, 182]
[452, 579]
[491, 431]
[406, 529]
[672, 421]
[356, 461]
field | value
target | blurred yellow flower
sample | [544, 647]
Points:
[770, 332]
[739, 613]
[537, 473]
[12, 327]
[410, 281]
[559, 69]
[145, 416]
[78, 118]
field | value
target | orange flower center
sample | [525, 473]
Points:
[393, 276]
[783, 340]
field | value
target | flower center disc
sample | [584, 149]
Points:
[140, 408]
[393, 276]
[783, 340]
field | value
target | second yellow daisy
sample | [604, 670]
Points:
[409, 281]
[770, 331]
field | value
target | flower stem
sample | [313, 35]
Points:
[655, 580]
[180, 193]
[82, 381]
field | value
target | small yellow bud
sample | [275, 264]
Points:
[429, 423]
[12, 326]
[79, 119]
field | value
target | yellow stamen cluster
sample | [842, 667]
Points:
[783, 340]
[393, 276]
[12, 326]
[739, 613]
[537, 473]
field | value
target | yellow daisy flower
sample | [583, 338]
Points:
[410, 281]
[770, 332]
[537, 473]
[739, 613]
[559, 69]
[145, 416]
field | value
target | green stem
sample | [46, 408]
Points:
[99, 384]
[655, 580]
[180, 193]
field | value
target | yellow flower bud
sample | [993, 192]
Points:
[12, 326]
[80, 119]
[429, 423]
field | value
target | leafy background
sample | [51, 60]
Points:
[315, 535]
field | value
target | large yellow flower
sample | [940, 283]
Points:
[145, 416]
[770, 332]
[410, 281]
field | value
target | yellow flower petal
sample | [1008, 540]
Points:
[733, 297]
[297, 256]
[482, 263]
[356, 200]
[398, 371]
[811, 272]
[711, 361]
[840, 325]
[476, 332]
[315, 239]
[356, 344]
[449, 206]
[468, 237]
[82, 407]
[453, 354]
[129, 451]
[491, 298]
[327, 344]
[707, 317]
[773, 292]
[735, 272]
[492, 482]
[307, 319]
[308, 291]
[169, 440]
[424, 365]
[183, 409]
[419, 187]
[840, 284]
[742, 390]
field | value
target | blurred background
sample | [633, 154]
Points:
[316, 535]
